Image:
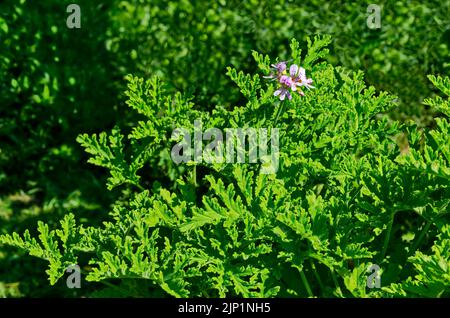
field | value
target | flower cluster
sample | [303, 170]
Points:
[289, 82]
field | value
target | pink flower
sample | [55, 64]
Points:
[299, 77]
[283, 92]
[289, 82]
[286, 80]
[279, 67]
[277, 70]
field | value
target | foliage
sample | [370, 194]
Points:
[187, 42]
[47, 75]
[346, 196]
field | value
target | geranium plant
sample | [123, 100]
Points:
[347, 195]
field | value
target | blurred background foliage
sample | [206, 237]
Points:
[56, 83]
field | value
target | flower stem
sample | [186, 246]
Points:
[279, 111]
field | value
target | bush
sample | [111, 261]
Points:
[189, 43]
[57, 83]
[345, 197]
[48, 76]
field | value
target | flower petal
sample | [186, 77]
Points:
[302, 74]
[293, 70]
[283, 79]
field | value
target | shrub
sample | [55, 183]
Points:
[189, 43]
[345, 197]
[48, 74]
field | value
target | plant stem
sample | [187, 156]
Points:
[333, 276]
[388, 237]
[316, 275]
[104, 282]
[420, 238]
[305, 282]
[139, 186]
[280, 108]
[194, 176]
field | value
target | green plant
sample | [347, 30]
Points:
[189, 43]
[47, 75]
[345, 197]
[56, 83]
